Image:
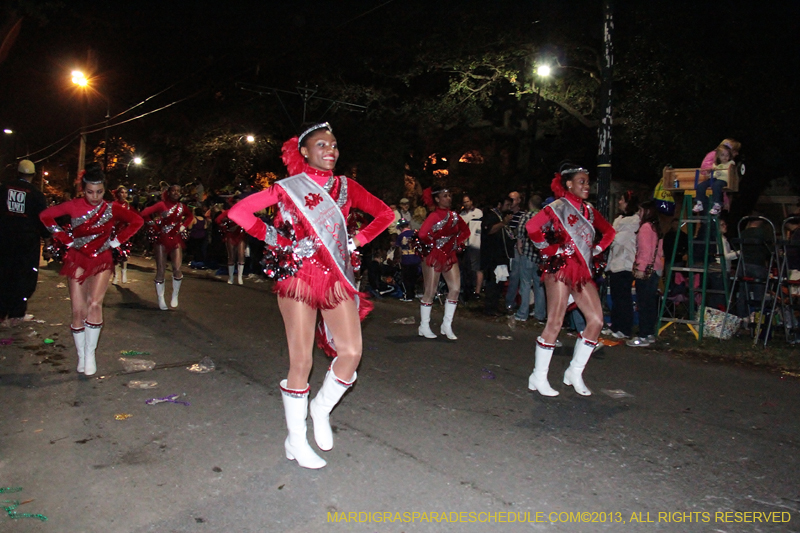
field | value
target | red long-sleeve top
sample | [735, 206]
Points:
[313, 282]
[553, 241]
[445, 233]
[90, 238]
[175, 216]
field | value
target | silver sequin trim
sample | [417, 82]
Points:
[442, 223]
[80, 242]
[54, 229]
[306, 247]
[167, 229]
[271, 237]
[440, 242]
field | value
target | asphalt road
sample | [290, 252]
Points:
[431, 429]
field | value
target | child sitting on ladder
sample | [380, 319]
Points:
[718, 163]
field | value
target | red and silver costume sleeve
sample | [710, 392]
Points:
[95, 230]
[443, 234]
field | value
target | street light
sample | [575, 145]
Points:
[80, 79]
[135, 161]
[251, 139]
[8, 131]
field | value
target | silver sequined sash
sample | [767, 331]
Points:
[577, 226]
[324, 216]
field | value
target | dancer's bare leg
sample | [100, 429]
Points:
[299, 321]
[453, 279]
[78, 300]
[430, 282]
[557, 302]
[176, 256]
[95, 288]
[588, 301]
[345, 327]
[161, 262]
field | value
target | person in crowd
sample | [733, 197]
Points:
[197, 245]
[513, 269]
[314, 271]
[96, 227]
[441, 237]
[647, 270]
[716, 179]
[471, 259]
[529, 276]
[497, 248]
[123, 251]
[409, 259]
[20, 234]
[564, 233]
[234, 237]
[404, 212]
[620, 265]
[172, 220]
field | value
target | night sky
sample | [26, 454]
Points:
[201, 49]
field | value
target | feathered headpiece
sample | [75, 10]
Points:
[291, 156]
[427, 198]
[557, 187]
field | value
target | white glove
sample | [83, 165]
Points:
[114, 243]
[597, 251]
[351, 245]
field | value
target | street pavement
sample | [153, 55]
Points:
[432, 428]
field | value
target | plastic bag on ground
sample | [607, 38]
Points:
[203, 367]
[137, 365]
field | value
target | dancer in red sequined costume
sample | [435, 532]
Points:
[309, 253]
[97, 227]
[171, 222]
[233, 235]
[564, 233]
[442, 236]
[121, 253]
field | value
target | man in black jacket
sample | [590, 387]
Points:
[20, 233]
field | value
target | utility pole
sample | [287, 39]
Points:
[604, 133]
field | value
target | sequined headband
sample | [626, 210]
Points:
[321, 125]
[570, 171]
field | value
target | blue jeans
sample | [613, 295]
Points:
[526, 268]
[622, 301]
[716, 191]
[647, 299]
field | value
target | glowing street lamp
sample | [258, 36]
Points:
[251, 139]
[543, 71]
[8, 131]
[79, 78]
[135, 161]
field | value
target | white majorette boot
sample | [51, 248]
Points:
[162, 303]
[425, 321]
[176, 289]
[230, 274]
[447, 321]
[573, 376]
[92, 336]
[295, 407]
[79, 336]
[124, 273]
[538, 379]
[333, 388]
[240, 271]
[116, 278]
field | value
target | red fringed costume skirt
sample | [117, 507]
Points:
[75, 261]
